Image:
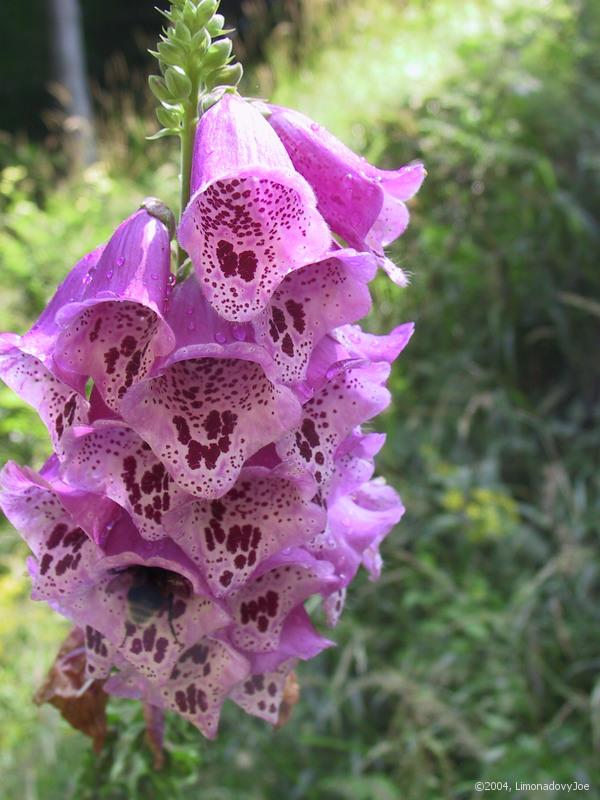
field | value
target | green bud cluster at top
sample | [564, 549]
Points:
[194, 56]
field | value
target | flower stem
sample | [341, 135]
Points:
[188, 132]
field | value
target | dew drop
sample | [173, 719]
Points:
[239, 333]
[189, 311]
[120, 261]
[220, 337]
[109, 274]
[191, 326]
[171, 280]
[155, 276]
[315, 126]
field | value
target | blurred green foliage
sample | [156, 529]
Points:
[477, 654]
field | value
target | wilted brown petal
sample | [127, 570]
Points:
[82, 702]
[291, 695]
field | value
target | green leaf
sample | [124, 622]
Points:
[170, 54]
[158, 88]
[218, 54]
[178, 83]
[182, 32]
[230, 75]
[169, 119]
[215, 26]
[162, 133]
[205, 11]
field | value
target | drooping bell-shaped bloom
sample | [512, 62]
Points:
[361, 512]
[365, 205]
[198, 684]
[252, 219]
[112, 589]
[231, 537]
[104, 322]
[111, 459]
[262, 693]
[27, 362]
[116, 330]
[210, 405]
[348, 391]
[308, 304]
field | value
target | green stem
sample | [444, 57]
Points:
[187, 135]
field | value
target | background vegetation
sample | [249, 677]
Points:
[477, 655]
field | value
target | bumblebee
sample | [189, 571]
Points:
[152, 590]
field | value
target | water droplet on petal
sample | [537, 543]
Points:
[109, 274]
[189, 311]
[155, 276]
[220, 337]
[171, 280]
[239, 333]
[315, 126]
[120, 261]
[191, 326]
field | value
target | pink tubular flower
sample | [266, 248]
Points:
[252, 218]
[116, 329]
[211, 472]
[365, 205]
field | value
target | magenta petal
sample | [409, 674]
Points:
[261, 607]
[204, 417]
[333, 548]
[64, 553]
[333, 605]
[352, 396]
[261, 694]
[100, 654]
[200, 681]
[377, 508]
[394, 272]
[358, 522]
[251, 219]
[401, 184]
[308, 304]
[58, 405]
[94, 513]
[28, 367]
[109, 458]
[360, 344]
[361, 203]
[41, 339]
[354, 464]
[116, 331]
[230, 537]
[197, 325]
[299, 640]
